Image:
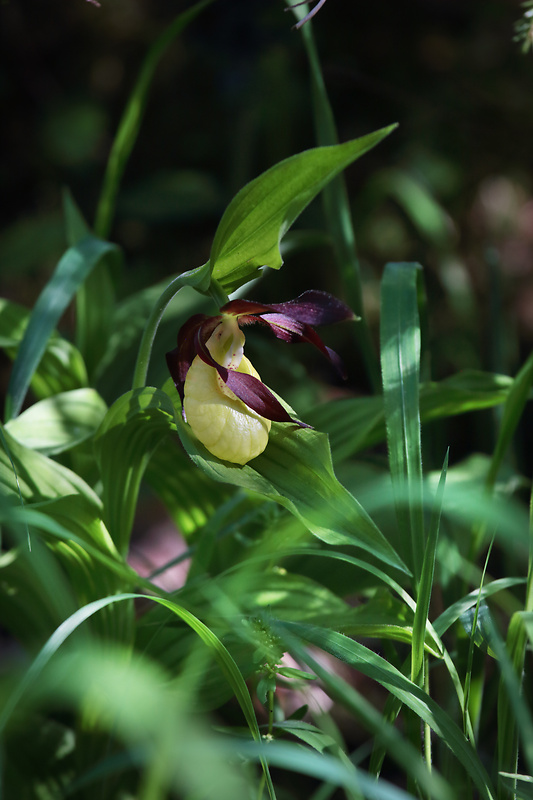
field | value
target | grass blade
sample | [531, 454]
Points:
[400, 364]
[131, 120]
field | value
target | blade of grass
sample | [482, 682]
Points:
[337, 208]
[72, 623]
[516, 646]
[95, 298]
[377, 668]
[131, 119]
[400, 364]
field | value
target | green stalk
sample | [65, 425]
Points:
[198, 279]
[338, 214]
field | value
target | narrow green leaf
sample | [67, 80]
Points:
[358, 423]
[400, 363]
[337, 210]
[61, 367]
[250, 231]
[512, 412]
[377, 668]
[223, 657]
[95, 298]
[60, 422]
[131, 119]
[426, 581]
[296, 471]
[72, 269]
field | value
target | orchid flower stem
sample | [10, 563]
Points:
[145, 348]
[220, 298]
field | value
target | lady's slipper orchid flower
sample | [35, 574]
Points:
[223, 399]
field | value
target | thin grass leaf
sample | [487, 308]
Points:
[337, 211]
[285, 755]
[95, 298]
[426, 580]
[400, 364]
[377, 668]
[223, 657]
[72, 269]
[521, 710]
[132, 117]
[354, 424]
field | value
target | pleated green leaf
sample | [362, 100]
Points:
[72, 269]
[130, 432]
[400, 365]
[296, 471]
[249, 233]
[39, 477]
[60, 422]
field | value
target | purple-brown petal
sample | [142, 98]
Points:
[315, 308]
[291, 331]
[258, 397]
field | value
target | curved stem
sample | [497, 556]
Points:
[197, 279]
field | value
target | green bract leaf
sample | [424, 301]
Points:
[72, 269]
[249, 233]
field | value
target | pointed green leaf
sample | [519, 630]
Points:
[250, 231]
[400, 364]
[61, 368]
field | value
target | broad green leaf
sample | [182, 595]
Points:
[39, 477]
[60, 422]
[72, 269]
[400, 365]
[61, 368]
[249, 233]
[189, 495]
[296, 471]
[130, 432]
[380, 670]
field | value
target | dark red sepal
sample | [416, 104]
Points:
[315, 308]
[258, 397]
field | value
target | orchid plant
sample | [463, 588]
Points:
[223, 399]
